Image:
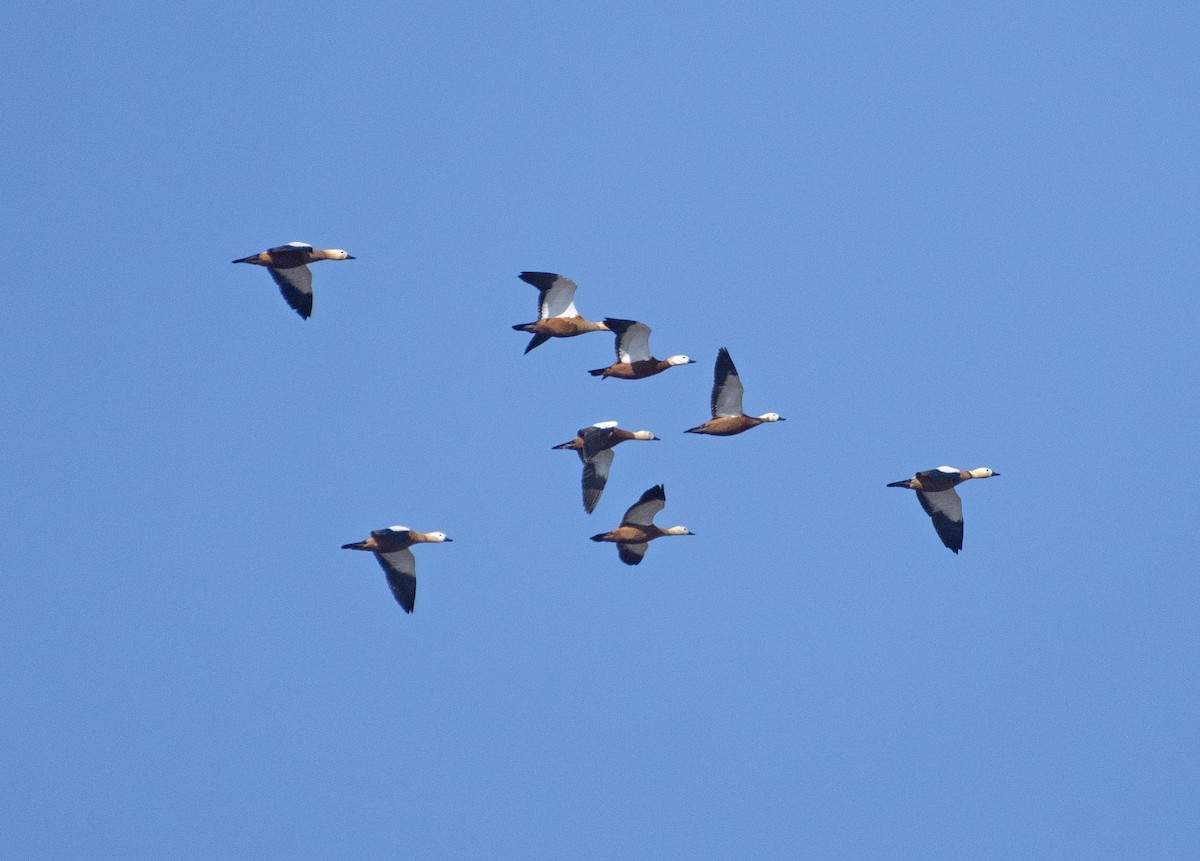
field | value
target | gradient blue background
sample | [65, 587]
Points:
[929, 233]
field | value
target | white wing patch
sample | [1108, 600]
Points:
[634, 344]
[559, 299]
[570, 311]
[949, 469]
[727, 397]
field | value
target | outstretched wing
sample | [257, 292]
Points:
[401, 569]
[945, 509]
[631, 554]
[633, 339]
[642, 512]
[727, 387]
[595, 476]
[557, 297]
[296, 286]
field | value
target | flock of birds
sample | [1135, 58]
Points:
[558, 318]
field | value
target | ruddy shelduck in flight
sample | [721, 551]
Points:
[634, 361]
[595, 445]
[936, 493]
[390, 547]
[288, 265]
[557, 317]
[727, 415]
[637, 528]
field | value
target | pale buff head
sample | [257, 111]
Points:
[680, 360]
[981, 472]
[336, 254]
[643, 435]
[678, 530]
[436, 537]
[771, 417]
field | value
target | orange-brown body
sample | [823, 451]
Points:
[726, 425]
[561, 327]
[933, 482]
[285, 258]
[616, 436]
[628, 534]
[633, 370]
[390, 542]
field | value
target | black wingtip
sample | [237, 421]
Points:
[656, 492]
[536, 341]
[540, 280]
[617, 324]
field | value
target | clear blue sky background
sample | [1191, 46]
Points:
[929, 233]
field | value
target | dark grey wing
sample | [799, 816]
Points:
[401, 532]
[557, 297]
[945, 509]
[633, 339]
[536, 341]
[727, 387]
[296, 286]
[942, 473]
[595, 440]
[642, 512]
[401, 569]
[595, 476]
[631, 554]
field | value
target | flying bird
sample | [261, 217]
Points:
[390, 547]
[637, 527]
[727, 416]
[557, 317]
[936, 493]
[634, 361]
[595, 445]
[288, 265]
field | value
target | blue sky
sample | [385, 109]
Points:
[928, 234]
